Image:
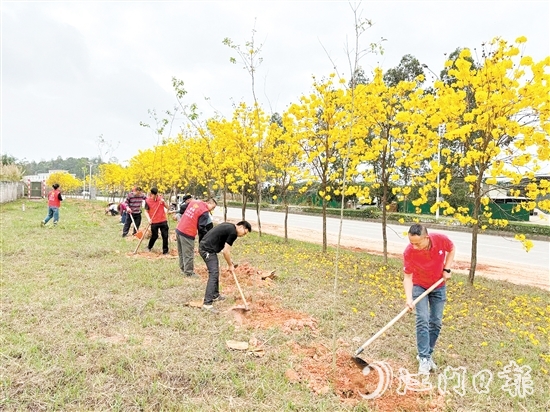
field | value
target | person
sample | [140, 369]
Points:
[219, 239]
[111, 208]
[155, 210]
[427, 259]
[209, 225]
[184, 203]
[122, 211]
[133, 204]
[195, 219]
[54, 203]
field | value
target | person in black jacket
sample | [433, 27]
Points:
[219, 239]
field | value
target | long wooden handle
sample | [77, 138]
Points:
[142, 237]
[240, 290]
[401, 314]
[132, 219]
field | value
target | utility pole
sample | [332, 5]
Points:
[441, 130]
[90, 185]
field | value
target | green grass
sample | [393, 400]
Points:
[84, 326]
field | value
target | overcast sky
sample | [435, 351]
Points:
[74, 71]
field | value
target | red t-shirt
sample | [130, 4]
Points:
[426, 266]
[156, 208]
[189, 222]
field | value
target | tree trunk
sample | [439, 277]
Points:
[243, 208]
[384, 223]
[258, 202]
[473, 263]
[286, 222]
[475, 230]
[225, 203]
[324, 226]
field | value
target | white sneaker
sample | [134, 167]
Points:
[209, 309]
[433, 366]
[424, 366]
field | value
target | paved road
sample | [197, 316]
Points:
[501, 251]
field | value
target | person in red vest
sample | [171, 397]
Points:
[194, 220]
[54, 203]
[155, 210]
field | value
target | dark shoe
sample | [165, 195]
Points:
[219, 298]
[192, 276]
[210, 309]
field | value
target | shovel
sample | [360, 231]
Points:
[138, 234]
[239, 308]
[364, 365]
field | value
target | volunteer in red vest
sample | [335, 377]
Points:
[194, 220]
[54, 203]
[155, 210]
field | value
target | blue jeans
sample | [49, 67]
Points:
[429, 317]
[52, 212]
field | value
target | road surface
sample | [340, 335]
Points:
[498, 257]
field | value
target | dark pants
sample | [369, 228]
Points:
[163, 227]
[128, 223]
[213, 284]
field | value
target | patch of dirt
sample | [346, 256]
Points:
[153, 255]
[315, 363]
[265, 312]
[324, 372]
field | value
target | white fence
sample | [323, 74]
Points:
[10, 191]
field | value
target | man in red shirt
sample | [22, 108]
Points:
[54, 203]
[155, 210]
[194, 220]
[427, 259]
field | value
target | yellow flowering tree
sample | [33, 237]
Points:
[283, 167]
[250, 57]
[391, 121]
[67, 182]
[319, 123]
[113, 179]
[499, 113]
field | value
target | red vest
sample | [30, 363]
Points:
[53, 198]
[156, 208]
[189, 221]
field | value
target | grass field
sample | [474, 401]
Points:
[86, 325]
